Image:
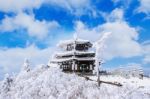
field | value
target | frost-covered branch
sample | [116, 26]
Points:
[99, 46]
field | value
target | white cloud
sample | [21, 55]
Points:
[144, 6]
[35, 28]
[19, 5]
[146, 52]
[123, 41]
[84, 32]
[125, 3]
[75, 7]
[12, 59]
[116, 15]
[146, 59]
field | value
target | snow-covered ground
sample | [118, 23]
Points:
[51, 83]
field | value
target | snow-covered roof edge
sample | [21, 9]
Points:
[72, 41]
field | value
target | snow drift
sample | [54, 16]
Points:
[50, 83]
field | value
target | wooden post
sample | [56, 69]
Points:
[98, 75]
[97, 65]
[99, 45]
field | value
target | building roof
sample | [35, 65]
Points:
[66, 53]
[73, 58]
[64, 43]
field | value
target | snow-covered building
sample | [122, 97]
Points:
[76, 56]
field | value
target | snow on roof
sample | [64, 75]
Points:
[73, 58]
[74, 52]
[72, 41]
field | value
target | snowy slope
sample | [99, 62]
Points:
[51, 83]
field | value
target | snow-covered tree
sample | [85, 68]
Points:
[136, 70]
[131, 70]
[99, 46]
[26, 65]
[5, 86]
[51, 83]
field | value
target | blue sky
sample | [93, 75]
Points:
[33, 28]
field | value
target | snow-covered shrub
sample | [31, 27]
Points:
[5, 86]
[132, 70]
[51, 83]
